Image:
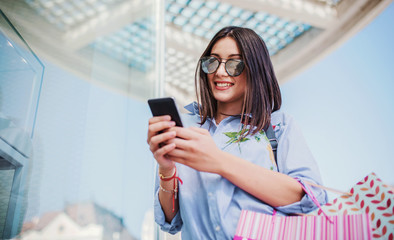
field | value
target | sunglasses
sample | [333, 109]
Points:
[234, 67]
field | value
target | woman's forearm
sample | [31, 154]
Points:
[273, 188]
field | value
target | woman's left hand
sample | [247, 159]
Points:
[195, 148]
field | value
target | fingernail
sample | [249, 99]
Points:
[171, 124]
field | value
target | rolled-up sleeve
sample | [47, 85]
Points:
[176, 223]
[296, 160]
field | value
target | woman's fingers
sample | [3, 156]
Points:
[161, 138]
[177, 153]
[156, 127]
[179, 160]
[181, 143]
[159, 119]
[158, 140]
[160, 126]
[186, 133]
[200, 130]
[159, 153]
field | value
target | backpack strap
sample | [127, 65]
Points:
[273, 141]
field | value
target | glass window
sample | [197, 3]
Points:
[75, 77]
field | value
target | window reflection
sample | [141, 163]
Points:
[72, 113]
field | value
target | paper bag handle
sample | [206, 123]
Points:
[328, 189]
[308, 191]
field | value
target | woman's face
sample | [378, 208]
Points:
[227, 90]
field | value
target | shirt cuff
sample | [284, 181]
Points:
[306, 204]
[176, 223]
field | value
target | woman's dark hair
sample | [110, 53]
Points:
[262, 96]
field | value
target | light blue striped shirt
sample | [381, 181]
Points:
[210, 205]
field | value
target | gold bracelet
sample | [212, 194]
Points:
[167, 178]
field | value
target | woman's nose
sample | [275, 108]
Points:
[221, 71]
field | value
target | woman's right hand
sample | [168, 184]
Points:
[158, 135]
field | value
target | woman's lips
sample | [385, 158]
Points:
[223, 85]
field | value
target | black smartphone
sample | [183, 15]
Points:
[165, 106]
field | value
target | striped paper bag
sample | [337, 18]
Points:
[253, 225]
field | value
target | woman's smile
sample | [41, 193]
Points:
[223, 85]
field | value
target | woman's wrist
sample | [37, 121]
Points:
[220, 166]
[166, 172]
[170, 180]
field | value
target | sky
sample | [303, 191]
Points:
[91, 142]
[345, 106]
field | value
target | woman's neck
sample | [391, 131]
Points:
[226, 110]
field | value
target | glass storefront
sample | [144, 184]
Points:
[74, 80]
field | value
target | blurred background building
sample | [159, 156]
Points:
[85, 221]
[74, 79]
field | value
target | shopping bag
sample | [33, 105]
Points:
[254, 225]
[370, 196]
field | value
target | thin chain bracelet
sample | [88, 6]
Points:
[169, 191]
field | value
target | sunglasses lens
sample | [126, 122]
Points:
[234, 67]
[209, 64]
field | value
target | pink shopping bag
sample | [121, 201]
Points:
[254, 225]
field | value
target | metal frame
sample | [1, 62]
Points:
[12, 159]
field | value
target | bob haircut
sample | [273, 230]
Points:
[262, 94]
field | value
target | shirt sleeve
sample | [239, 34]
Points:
[296, 160]
[176, 223]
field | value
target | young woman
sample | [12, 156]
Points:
[224, 163]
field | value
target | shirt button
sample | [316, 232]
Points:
[210, 194]
[217, 228]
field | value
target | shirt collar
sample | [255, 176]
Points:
[193, 108]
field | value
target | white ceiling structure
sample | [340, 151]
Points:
[94, 36]
[327, 24]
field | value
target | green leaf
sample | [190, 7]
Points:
[231, 134]
[236, 137]
[243, 139]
